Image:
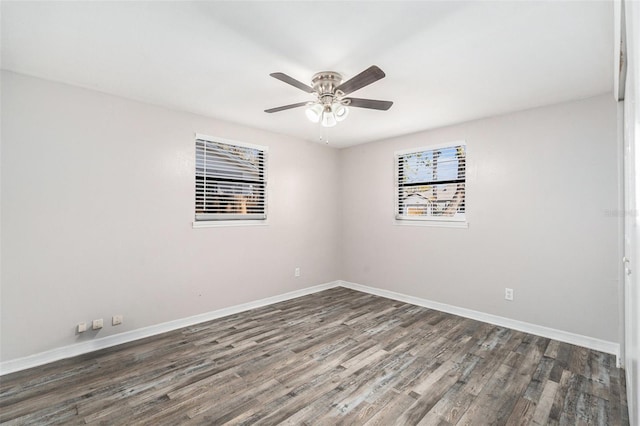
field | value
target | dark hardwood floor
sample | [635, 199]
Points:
[334, 357]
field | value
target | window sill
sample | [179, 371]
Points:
[228, 223]
[432, 223]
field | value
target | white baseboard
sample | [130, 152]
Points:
[57, 354]
[538, 330]
[64, 352]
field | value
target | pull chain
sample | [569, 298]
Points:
[324, 136]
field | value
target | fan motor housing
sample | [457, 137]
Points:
[324, 83]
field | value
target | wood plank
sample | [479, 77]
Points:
[545, 402]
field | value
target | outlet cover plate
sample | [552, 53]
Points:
[508, 293]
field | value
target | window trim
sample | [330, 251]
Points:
[227, 223]
[443, 222]
[257, 219]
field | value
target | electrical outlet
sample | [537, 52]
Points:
[508, 293]
[82, 327]
[96, 324]
[296, 272]
[116, 320]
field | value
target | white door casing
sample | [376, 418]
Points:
[631, 136]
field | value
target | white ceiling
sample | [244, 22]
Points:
[446, 62]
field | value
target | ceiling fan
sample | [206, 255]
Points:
[331, 104]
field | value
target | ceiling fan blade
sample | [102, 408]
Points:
[365, 78]
[282, 108]
[369, 103]
[292, 81]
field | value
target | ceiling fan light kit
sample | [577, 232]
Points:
[331, 104]
[314, 112]
[340, 111]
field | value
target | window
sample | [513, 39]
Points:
[230, 180]
[430, 183]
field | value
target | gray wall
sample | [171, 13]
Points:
[97, 211]
[97, 206]
[542, 210]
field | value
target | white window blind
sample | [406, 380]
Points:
[430, 183]
[231, 180]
